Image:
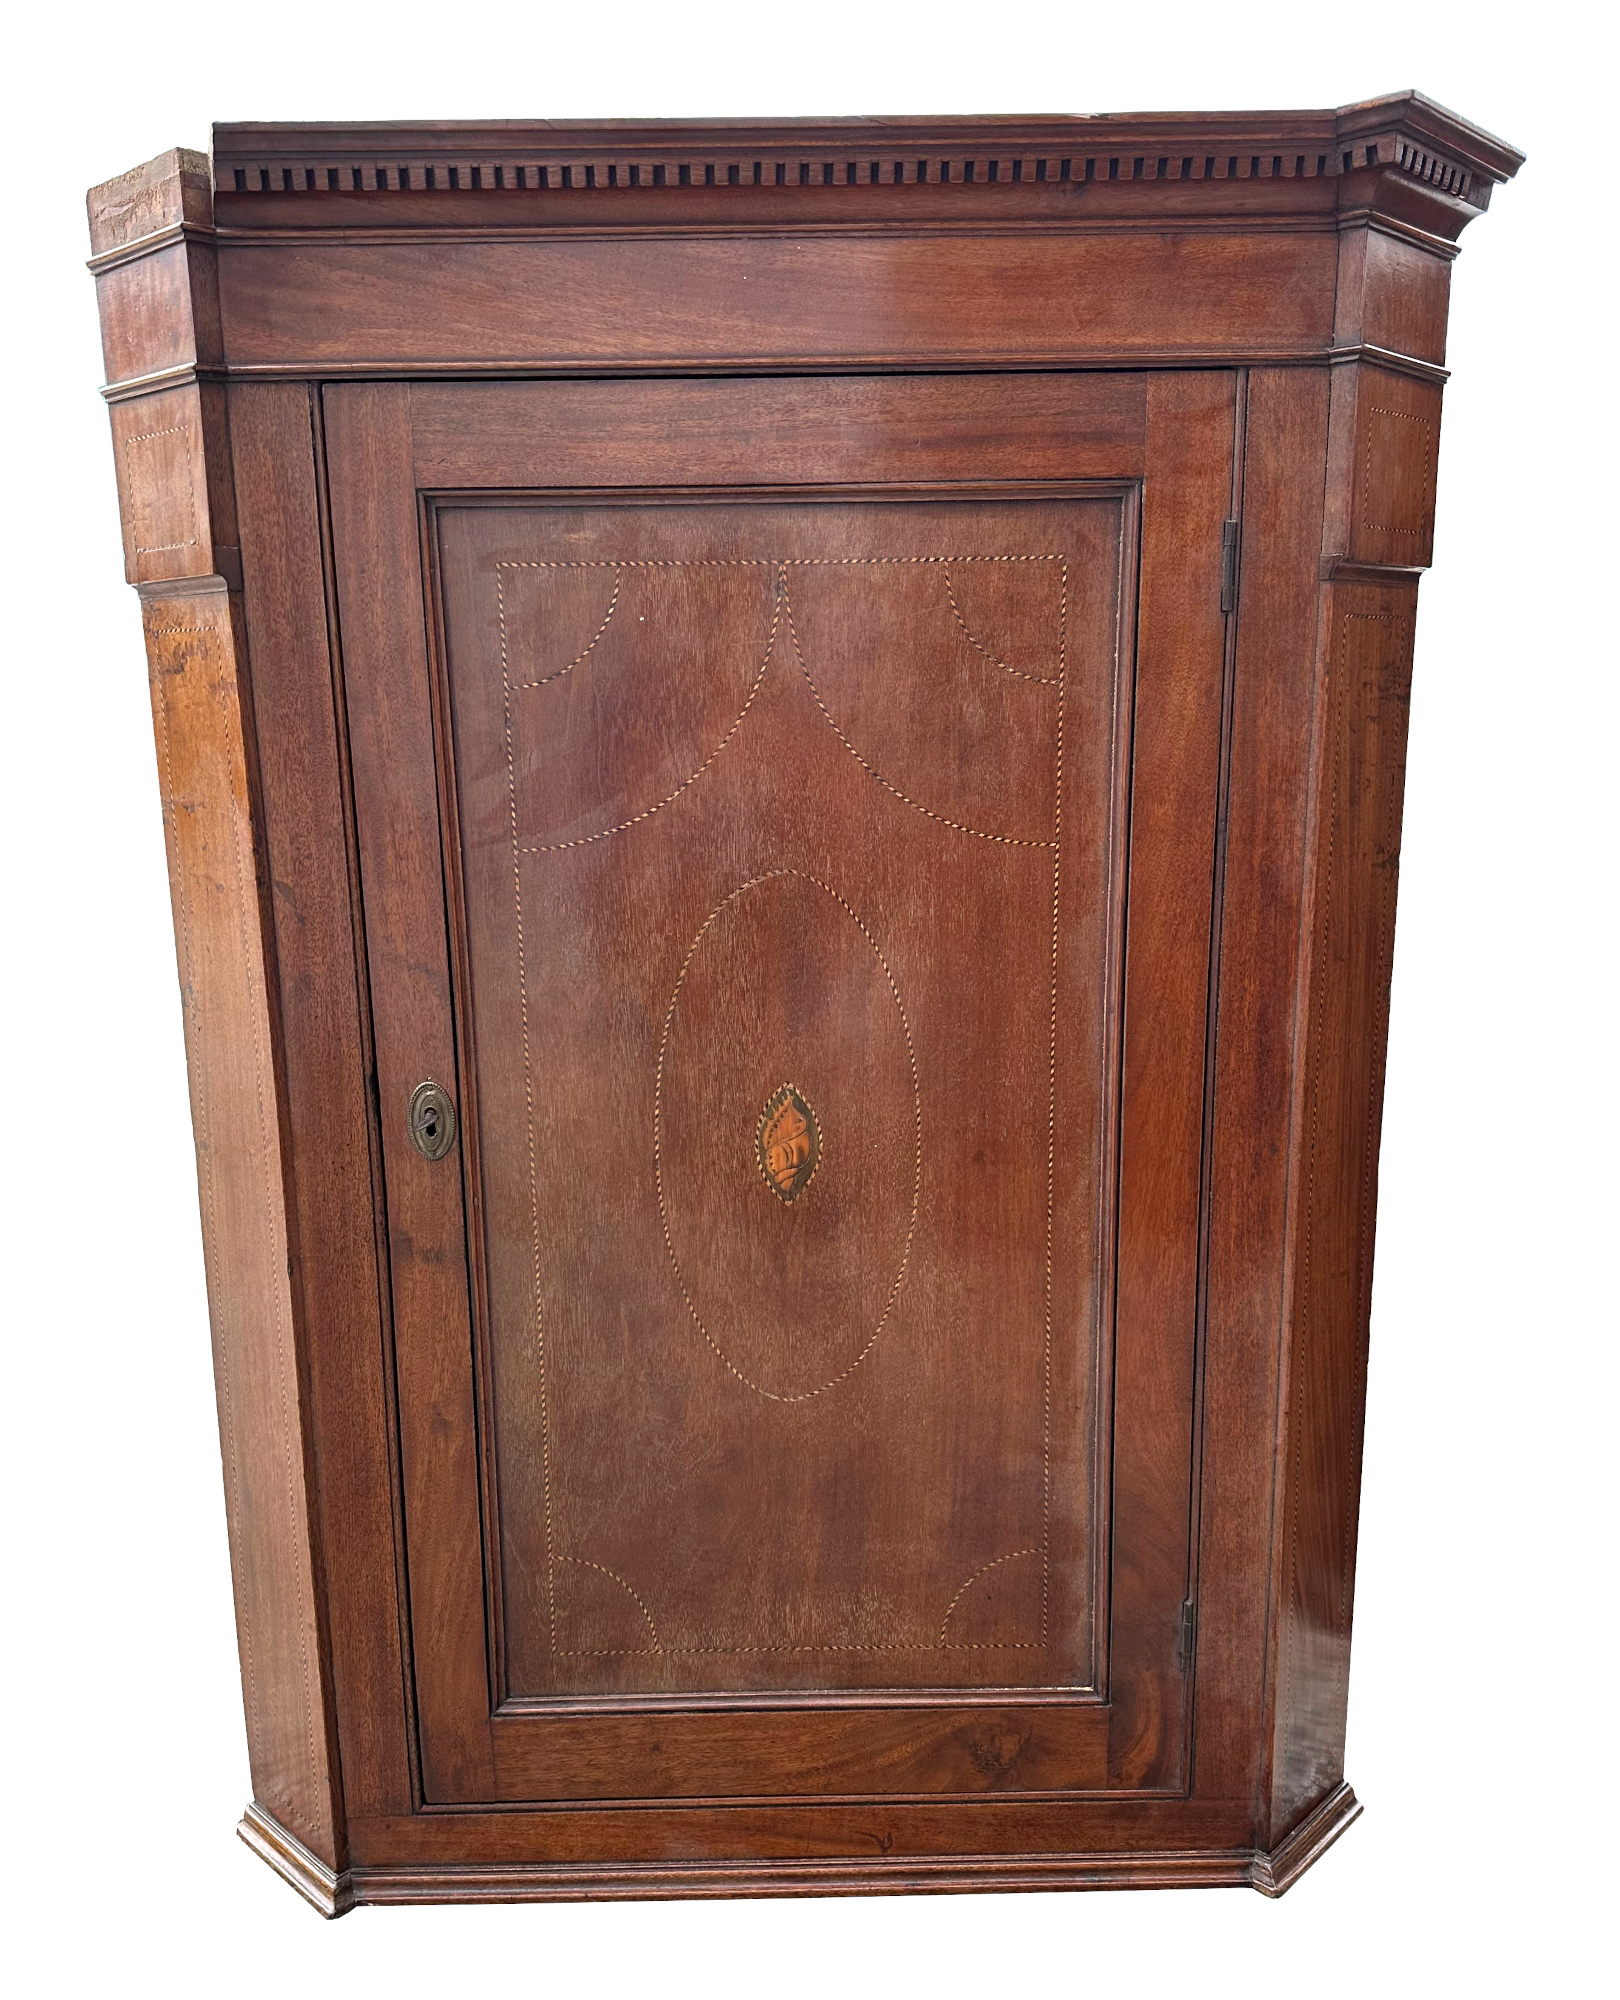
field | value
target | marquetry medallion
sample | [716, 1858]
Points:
[788, 1142]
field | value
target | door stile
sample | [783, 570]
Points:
[470, 1126]
[1123, 722]
[1232, 539]
[1180, 655]
[376, 533]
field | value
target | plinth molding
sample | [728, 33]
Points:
[331, 1893]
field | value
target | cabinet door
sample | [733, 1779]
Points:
[786, 817]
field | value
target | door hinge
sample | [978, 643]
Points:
[1229, 565]
[1189, 1635]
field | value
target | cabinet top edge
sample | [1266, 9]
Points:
[667, 138]
[369, 166]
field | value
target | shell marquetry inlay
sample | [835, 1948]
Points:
[788, 1143]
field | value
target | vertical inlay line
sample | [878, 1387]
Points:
[528, 1102]
[1051, 1114]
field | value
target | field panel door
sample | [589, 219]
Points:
[786, 817]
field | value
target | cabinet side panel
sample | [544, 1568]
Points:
[193, 645]
[177, 502]
[1367, 647]
[1392, 293]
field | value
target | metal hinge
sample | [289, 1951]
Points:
[1229, 565]
[1189, 1635]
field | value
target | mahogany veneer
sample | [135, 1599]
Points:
[782, 749]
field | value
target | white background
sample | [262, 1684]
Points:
[1482, 1712]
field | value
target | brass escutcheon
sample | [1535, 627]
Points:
[431, 1120]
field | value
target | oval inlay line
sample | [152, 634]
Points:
[772, 1395]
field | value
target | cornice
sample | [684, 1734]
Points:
[1428, 142]
[1404, 134]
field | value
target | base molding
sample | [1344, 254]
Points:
[1279, 1870]
[552, 1882]
[663, 1881]
[331, 1893]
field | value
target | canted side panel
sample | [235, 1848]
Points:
[1362, 776]
[1392, 294]
[178, 507]
[155, 265]
[1384, 458]
[192, 646]
[163, 486]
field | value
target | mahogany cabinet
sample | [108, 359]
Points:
[782, 748]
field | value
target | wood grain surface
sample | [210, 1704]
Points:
[841, 688]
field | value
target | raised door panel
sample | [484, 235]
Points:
[788, 985]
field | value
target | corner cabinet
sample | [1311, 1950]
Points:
[782, 749]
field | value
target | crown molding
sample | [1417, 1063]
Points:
[1405, 134]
